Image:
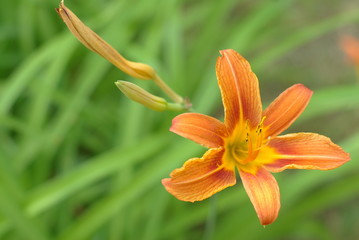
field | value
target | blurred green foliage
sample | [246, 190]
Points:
[80, 161]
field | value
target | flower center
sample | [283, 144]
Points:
[244, 145]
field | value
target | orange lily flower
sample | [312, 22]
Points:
[350, 46]
[248, 140]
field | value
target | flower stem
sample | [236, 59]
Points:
[174, 96]
[177, 107]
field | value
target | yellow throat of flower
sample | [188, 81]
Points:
[243, 146]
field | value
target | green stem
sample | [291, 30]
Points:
[176, 107]
[174, 96]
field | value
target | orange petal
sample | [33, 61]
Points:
[306, 151]
[263, 191]
[285, 109]
[200, 178]
[199, 128]
[239, 89]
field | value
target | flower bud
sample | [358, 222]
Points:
[140, 95]
[95, 43]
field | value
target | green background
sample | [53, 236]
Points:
[78, 160]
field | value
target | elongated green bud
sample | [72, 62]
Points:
[141, 96]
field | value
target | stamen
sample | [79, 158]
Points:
[257, 140]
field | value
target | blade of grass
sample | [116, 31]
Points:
[21, 77]
[332, 99]
[49, 194]
[26, 27]
[173, 47]
[55, 133]
[25, 227]
[104, 209]
[212, 23]
[154, 225]
[305, 35]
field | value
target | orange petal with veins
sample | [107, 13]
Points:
[285, 109]
[200, 178]
[239, 89]
[199, 128]
[305, 151]
[263, 191]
